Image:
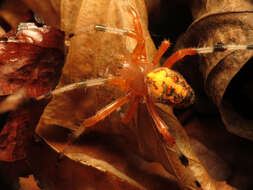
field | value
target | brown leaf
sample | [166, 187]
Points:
[216, 166]
[18, 131]
[32, 67]
[227, 22]
[96, 163]
[93, 55]
[14, 135]
[28, 183]
[233, 150]
[30, 60]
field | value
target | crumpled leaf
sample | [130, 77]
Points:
[28, 183]
[227, 22]
[19, 69]
[15, 135]
[233, 150]
[29, 60]
[93, 55]
[96, 163]
[217, 167]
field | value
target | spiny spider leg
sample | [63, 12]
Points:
[204, 50]
[140, 47]
[108, 29]
[101, 114]
[179, 55]
[160, 124]
[162, 49]
[73, 86]
[137, 34]
[132, 110]
[13, 101]
[139, 51]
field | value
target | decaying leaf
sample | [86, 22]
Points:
[30, 59]
[91, 55]
[95, 163]
[226, 22]
[233, 150]
[215, 166]
[28, 183]
[32, 67]
[16, 133]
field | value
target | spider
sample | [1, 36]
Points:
[142, 80]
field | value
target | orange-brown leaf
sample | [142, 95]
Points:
[32, 60]
[93, 55]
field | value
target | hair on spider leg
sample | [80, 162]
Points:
[101, 28]
[219, 47]
[73, 86]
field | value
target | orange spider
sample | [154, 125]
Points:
[141, 80]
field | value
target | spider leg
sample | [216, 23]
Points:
[139, 51]
[221, 48]
[160, 124]
[162, 49]
[137, 34]
[179, 55]
[73, 86]
[101, 114]
[14, 100]
[204, 50]
[108, 29]
[132, 110]
[140, 47]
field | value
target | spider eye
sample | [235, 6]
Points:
[169, 87]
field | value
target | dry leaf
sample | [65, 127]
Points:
[233, 150]
[32, 67]
[15, 135]
[227, 22]
[96, 163]
[31, 59]
[216, 166]
[93, 55]
[28, 183]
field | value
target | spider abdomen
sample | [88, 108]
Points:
[169, 87]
